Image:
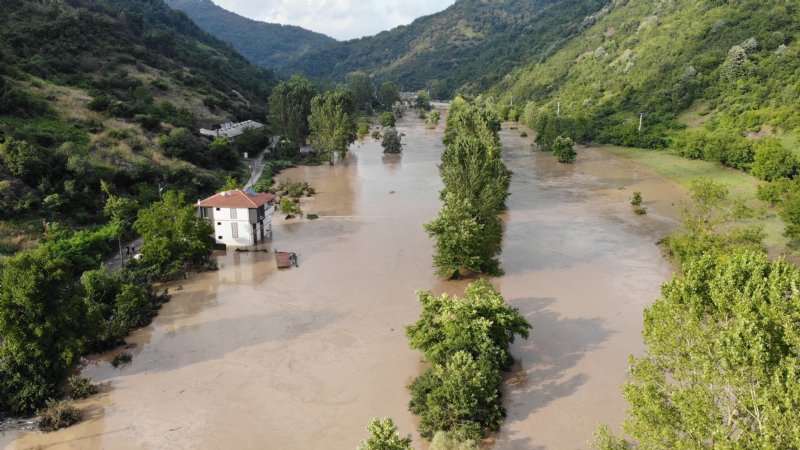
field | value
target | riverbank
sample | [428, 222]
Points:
[742, 187]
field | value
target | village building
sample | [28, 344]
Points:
[233, 130]
[240, 218]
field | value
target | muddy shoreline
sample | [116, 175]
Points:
[253, 357]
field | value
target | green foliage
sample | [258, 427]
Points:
[271, 168]
[730, 67]
[773, 161]
[134, 307]
[42, 321]
[466, 342]
[465, 119]
[433, 119]
[80, 387]
[360, 84]
[564, 150]
[423, 101]
[391, 142]
[387, 119]
[467, 231]
[289, 109]
[265, 44]
[363, 130]
[790, 210]
[388, 95]
[702, 220]
[384, 436]
[637, 199]
[720, 369]
[290, 208]
[57, 415]
[444, 440]
[173, 235]
[294, 189]
[333, 128]
[480, 324]
[640, 210]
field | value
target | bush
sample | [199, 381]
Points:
[391, 142]
[122, 359]
[564, 149]
[57, 415]
[363, 130]
[640, 210]
[80, 387]
[387, 119]
[290, 208]
[636, 200]
[773, 161]
[376, 135]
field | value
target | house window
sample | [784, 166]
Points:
[219, 223]
[219, 237]
[233, 213]
[217, 209]
[235, 230]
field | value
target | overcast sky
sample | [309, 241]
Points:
[340, 19]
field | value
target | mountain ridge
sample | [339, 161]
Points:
[265, 44]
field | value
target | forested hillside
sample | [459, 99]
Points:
[110, 93]
[469, 46]
[265, 44]
[717, 66]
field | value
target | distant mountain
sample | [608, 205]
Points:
[683, 63]
[469, 46]
[265, 44]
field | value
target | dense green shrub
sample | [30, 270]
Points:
[80, 387]
[564, 150]
[391, 141]
[387, 119]
[773, 161]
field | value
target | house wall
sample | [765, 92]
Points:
[222, 220]
[223, 230]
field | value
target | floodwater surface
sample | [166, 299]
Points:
[252, 357]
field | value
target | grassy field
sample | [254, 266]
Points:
[742, 187]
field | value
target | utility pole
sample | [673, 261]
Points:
[558, 112]
[512, 101]
[641, 120]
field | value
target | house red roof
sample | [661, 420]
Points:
[237, 199]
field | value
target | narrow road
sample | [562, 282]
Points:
[115, 262]
[257, 165]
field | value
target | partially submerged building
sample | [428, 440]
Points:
[240, 218]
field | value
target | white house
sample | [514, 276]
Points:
[240, 218]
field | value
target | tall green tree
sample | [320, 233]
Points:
[289, 108]
[469, 170]
[384, 436]
[173, 235]
[423, 101]
[721, 369]
[388, 95]
[333, 128]
[466, 119]
[43, 322]
[360, 84]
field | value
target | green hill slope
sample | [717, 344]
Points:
[265, 44]
[88, 89]
[469, 46]
[682, 63]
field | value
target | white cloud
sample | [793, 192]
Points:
[341, 19]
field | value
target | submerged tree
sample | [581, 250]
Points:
[564, 150]
[391, 141]
[384, 436]
[289, 108]
[332, 126]
[388, 95]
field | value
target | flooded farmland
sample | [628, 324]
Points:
[252, 357]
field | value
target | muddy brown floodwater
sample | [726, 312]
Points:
[250, 357]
